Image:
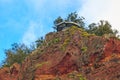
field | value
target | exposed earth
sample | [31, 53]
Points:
[72, 54]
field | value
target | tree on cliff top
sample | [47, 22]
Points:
[72, 17]
[103, 27]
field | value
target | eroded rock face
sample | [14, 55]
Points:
[110, 69]
[70, 55]
[102, 64]
[11, 73]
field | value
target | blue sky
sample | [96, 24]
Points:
[23, 21]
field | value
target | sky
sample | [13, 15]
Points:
[24, 21]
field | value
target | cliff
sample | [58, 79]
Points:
[72, 54]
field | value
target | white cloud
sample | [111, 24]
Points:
[33, 32]
[51, 5]
[35, 4]
[95, 10]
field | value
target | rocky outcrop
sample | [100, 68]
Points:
[72, 54]
[10, 73]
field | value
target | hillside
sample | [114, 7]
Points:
[72, 54]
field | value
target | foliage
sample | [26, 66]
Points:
[39, 42]
[73, 29]
[66, 42]
[101, 28]
[55, 40]
[72, 17]
[40, 64]
[58, 20]
[57, 78]
[81, 77]
[84, 49]
[16, 54]
[76, 76]
[72, 75]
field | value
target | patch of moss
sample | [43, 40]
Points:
[73, 29]
[85, 34]
[71, 75]
[81, 77]
[56, 40]
[84, 49]
[40, 64]
[53, 41]
[76, 76]
[66, 42]
[57, 78]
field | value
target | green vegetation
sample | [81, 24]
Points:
[66, 42]
[72, 17]
[57, 78]
[55, 40]
[40, 64]
[103, 27]
[58, 20]
[16, 54]
[99, 29]
[84, 49]
[72, 75]
[39, 42]
[81, 77]
[73, 29]
[76, 76]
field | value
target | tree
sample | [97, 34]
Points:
[39, 42]
[92, 28]
[58, 20]
[72, 17]
[16, 54]
[103, 27]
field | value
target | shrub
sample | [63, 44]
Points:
[40, 64]
[71, 75]
[66, 42]
[84, 49]
[56, 40]
[81, 77]
[16, 54]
